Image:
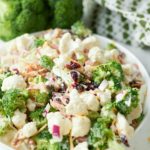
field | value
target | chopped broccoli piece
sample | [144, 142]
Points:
[18, 17]
[1, 92]
[80, 29]
[114, 84]
[65, 12]
[100, 134]
[4, 126]
[129, 101]
[40, 97]
[39, 42]
[39, 79]
[42, 140]
[47, 62]
[44, 143]
[111, 46]
[116, 145]
[93, 115]
[111, 71]
[37, 116]
[14, 99]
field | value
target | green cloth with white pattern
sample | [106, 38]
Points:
[127, 21]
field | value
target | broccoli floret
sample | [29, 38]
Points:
[80, 29]
[65, 12]
[40, 97]
[46, 62]
[39, 42]
[100, 134]
[4, 126]
[129, 101]
[14, 99]
[111, 71]
[37, 116]
[22, 16]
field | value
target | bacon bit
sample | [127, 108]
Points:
[121, 57]
[53, 46]
[81, 139]
[33, 70]
[57, 33]
[73, 65]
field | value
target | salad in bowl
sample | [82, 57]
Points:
[61, 91]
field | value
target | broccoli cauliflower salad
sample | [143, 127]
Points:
[62, 91]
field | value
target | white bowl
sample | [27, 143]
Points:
[140, 139]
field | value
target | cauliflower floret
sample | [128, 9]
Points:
[58, 119]
[24, 42]
[142, 93]
[65, 43]
[13, 82]
[31, 105]
[19, 119]
[103, 85]
[123, 126]
[111, 54]
[80, 126]
[96, 55]
[105, 97]
[48, 51]
[29, 129]
[76, 106]
[90, 42]
[61, 61]
[136, 112]
[8, 60]
[91, 101]
[127, 68]
[63, 74]
[81, 146]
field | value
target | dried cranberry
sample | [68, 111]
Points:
[16, 70]
[124, 140]
[79, 87]
[135, 84]
[90, 86]
[73, 65]
[62, 88]
[74, 75]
